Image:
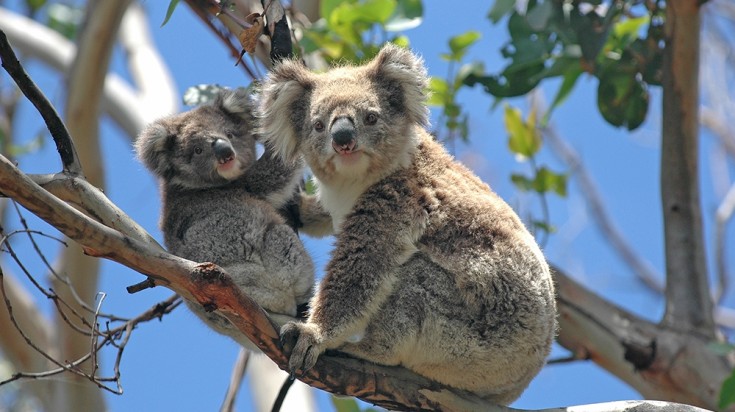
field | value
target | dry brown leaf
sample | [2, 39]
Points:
[249, 37]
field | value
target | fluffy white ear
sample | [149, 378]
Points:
[152, 146]
[235, 101]
[403, 73]
[283, 106]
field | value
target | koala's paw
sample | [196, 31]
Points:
[306, 342]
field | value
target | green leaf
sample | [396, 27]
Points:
[408, 14]
[631, 27]
[310, 186]
[727, 393]
[201, 94]
[32, 146]
[170, 11]
[326, 7]
[345, 404]
[523, 183]
[402, 41]
[622, 98]
[377, 11]
[34, 5]
[509, 83]
[500, 8]
[523, 138]
[721, 348]
[570, 79]
[439, 91]
[459, 44]
[539, 16]
[65, 19]
[545, 226]
[548, 181]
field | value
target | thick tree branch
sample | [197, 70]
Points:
[688, 302]
[660, 363]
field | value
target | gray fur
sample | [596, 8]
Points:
[220, 204]
[431, 269]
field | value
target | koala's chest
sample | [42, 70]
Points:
[338, 200]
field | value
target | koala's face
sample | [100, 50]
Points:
[204, 147]
[350, 121]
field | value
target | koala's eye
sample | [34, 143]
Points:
[319, 126]
[371, 119]
[229, 135]
[198, 150]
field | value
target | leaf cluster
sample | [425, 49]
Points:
[619, 42]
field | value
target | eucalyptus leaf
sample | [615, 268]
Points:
[170, 11]
[523, 138]
[500, 9]
[408, 14]
[727, 392]
[459, 44]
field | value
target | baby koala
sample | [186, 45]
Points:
[220, 204]
[431, 269]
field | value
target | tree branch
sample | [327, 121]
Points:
[658, 362]
[688, 302]
[635, 262]
[53, 122]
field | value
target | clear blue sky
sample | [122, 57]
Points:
[180, 365]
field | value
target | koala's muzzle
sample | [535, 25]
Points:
[343, 135]
[223, 150]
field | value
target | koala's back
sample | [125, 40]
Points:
[223, 224]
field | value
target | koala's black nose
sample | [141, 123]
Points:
[342, 131]
[222, 149]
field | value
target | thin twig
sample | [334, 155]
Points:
[722, 217]
[55, 125]
[640, 267]
[238, 373]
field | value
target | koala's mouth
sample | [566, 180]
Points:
[228, 167]
[227, 160]
[345, 149]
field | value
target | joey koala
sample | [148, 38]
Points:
[431, 269]
[219, 204]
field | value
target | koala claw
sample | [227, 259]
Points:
[307, 347]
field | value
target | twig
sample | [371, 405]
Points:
[722, 217]
[282, 393]
[225, 36]
[56, 127]
[238, 373]
[640, 267]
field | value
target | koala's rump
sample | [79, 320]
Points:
[425, 326]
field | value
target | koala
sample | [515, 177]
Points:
[431, 270]
[219, 204]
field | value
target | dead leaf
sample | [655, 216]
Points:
[249, 37]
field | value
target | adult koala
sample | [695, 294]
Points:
[431, 269]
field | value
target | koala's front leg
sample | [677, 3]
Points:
[377, 237]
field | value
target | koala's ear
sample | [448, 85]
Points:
[396, 66]
[236, 102]
[152, 147]
[283, 106]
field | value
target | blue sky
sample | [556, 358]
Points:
[179, 364]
